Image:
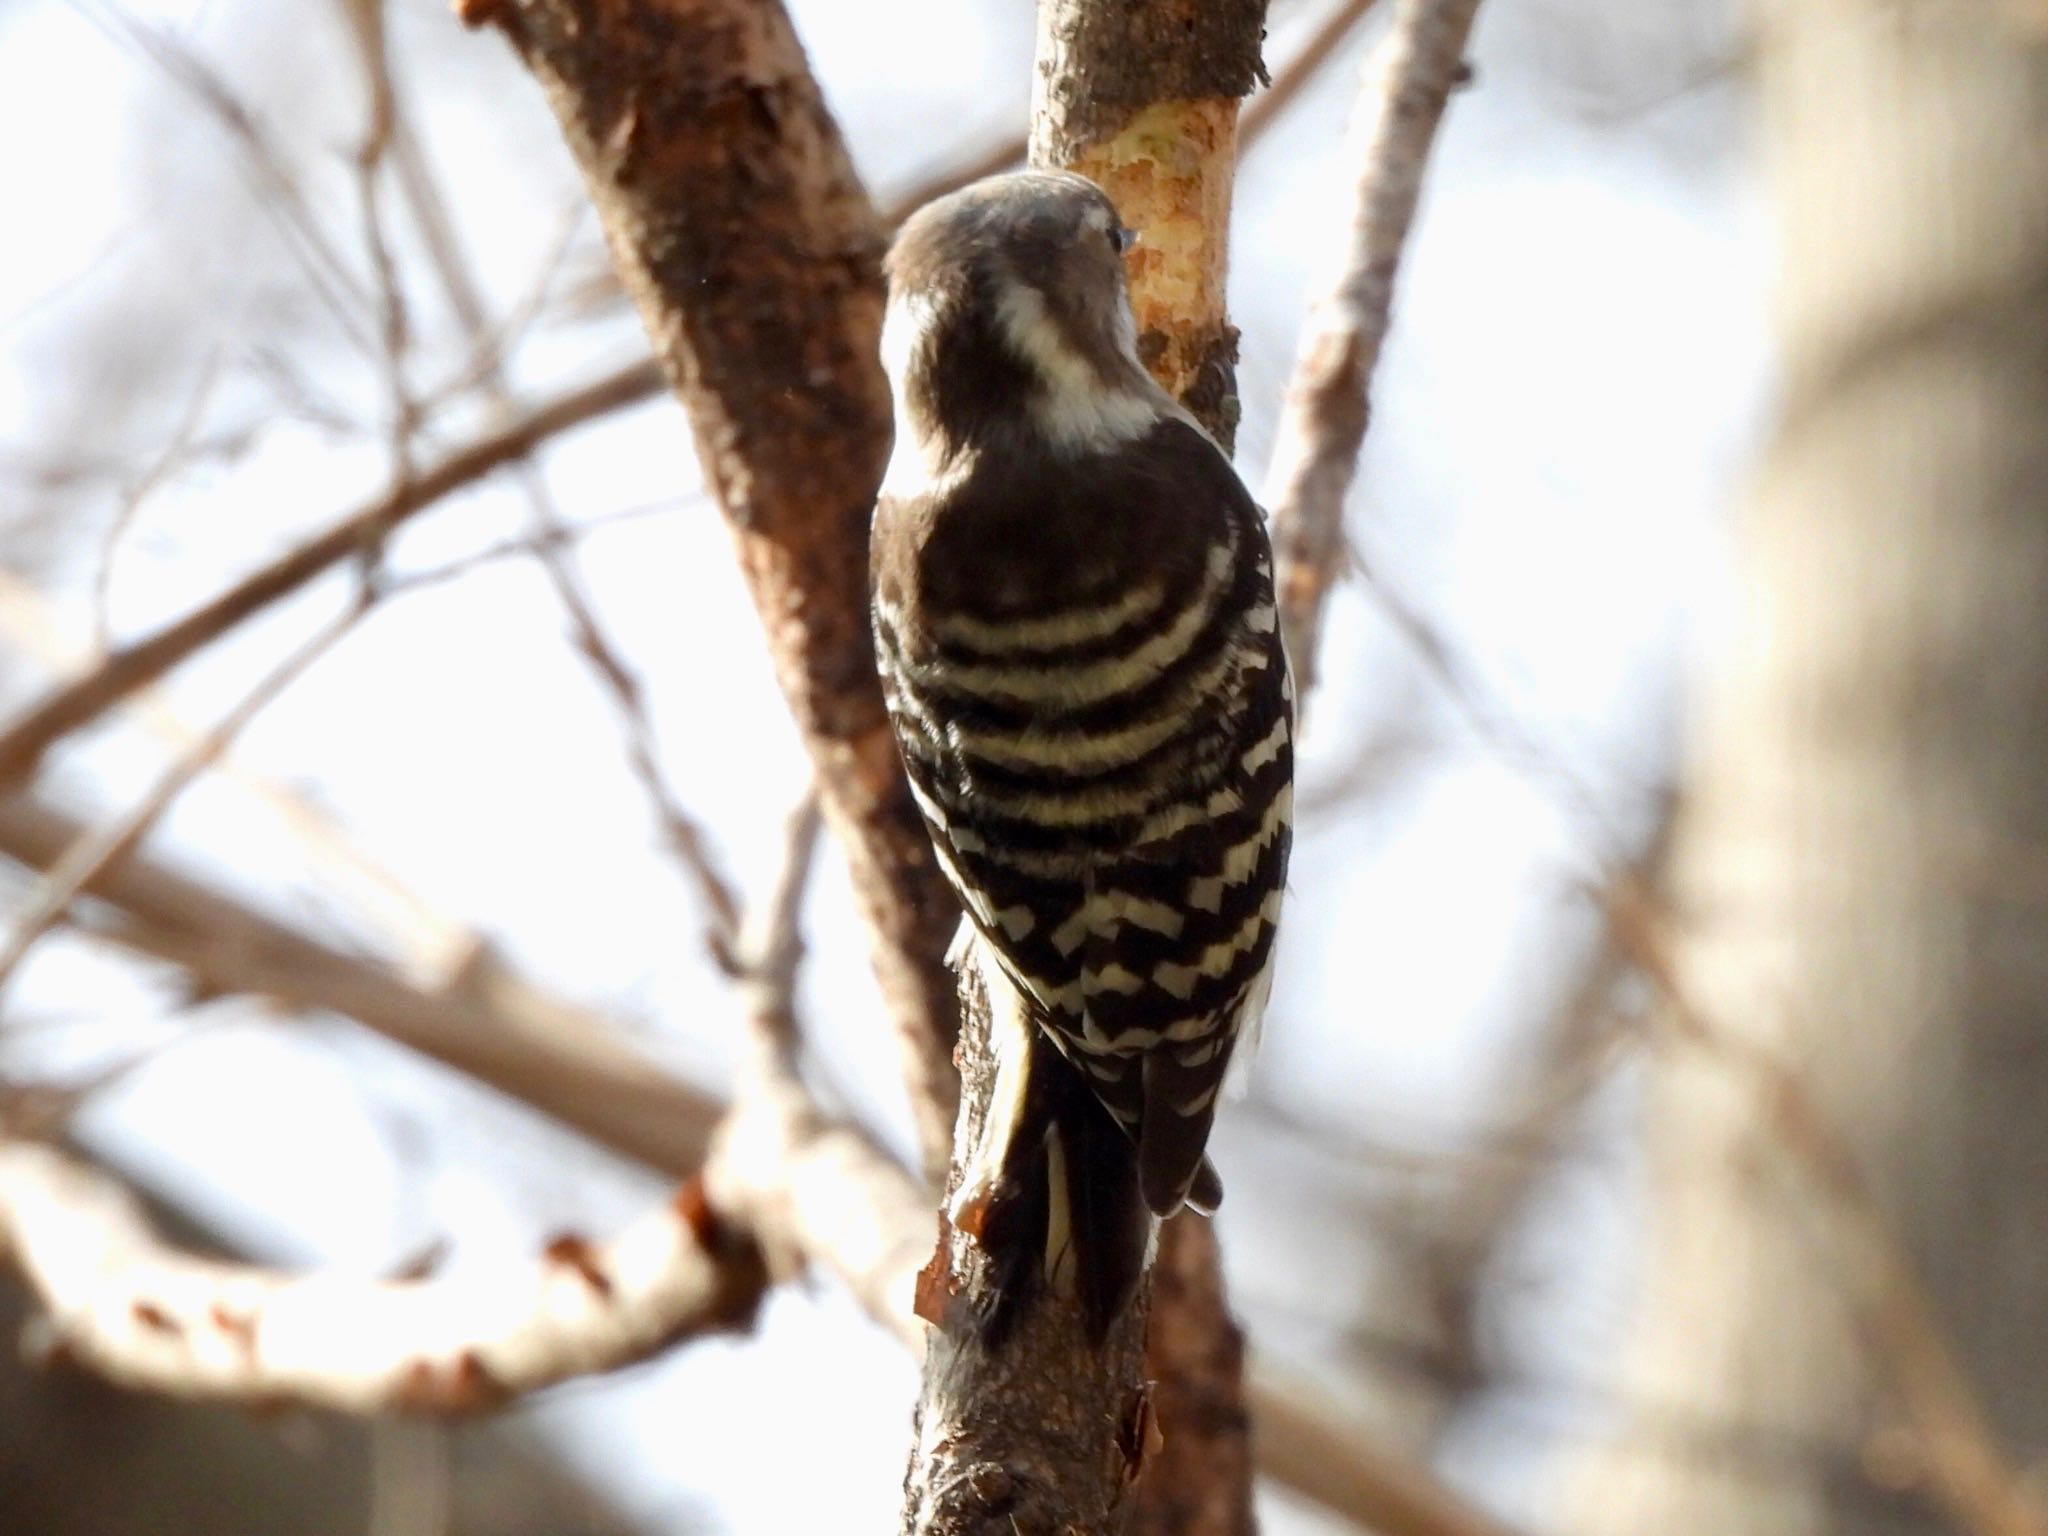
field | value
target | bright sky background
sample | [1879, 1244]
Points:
[1575, 379]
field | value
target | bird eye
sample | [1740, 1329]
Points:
[1121, 239]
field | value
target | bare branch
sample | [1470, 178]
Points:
[277, 188]
[743, 235]
[486, 1022]
[174, 455]
[622, 685]
[31, 734]
[811, 1190]
[25, 740]
[1410, 78]
[366, 20]
[1304, 1441]
[390, 138]
[146, 1315]
[92, 854]
[803, 1184]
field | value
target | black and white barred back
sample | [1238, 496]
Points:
[1075, 625]
[1083, 664]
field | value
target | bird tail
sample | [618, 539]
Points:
[1056, 1191]
[1051, 1194]
[1066, 1209]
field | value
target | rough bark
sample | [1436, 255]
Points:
[1197, 1481]
[1142, 98]
[1042, 1435]
[739, 228]
[1859, 865]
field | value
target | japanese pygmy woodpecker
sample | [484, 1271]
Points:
[1074, 619]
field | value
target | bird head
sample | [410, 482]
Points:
[1009, 325]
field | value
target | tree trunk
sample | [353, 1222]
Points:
[1860, 874]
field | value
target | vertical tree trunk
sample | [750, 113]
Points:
[1861, 872]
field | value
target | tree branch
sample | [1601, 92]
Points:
[741, 232]
[149, 1316]
[839, 1199]
[1329, 398]
[486, 1023]
[32, 733]
[1305, 1443]
[102, 848]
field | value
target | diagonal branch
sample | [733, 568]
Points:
[25, 739]
[149, 1316]
[739, 228]
[1329, 398]
[838, 1199]
[487, 1023]
[94, 852]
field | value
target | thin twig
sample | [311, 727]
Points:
[93, 854]
[70, 705]
[25, 740]
[172, 457]
[770, 947]
[277, 190]
[366, 21]
[622, 685]
[1323, 423]
[686, 839]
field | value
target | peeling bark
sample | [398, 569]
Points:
[1142, 99]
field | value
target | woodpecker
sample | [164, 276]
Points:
[1075, 627]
